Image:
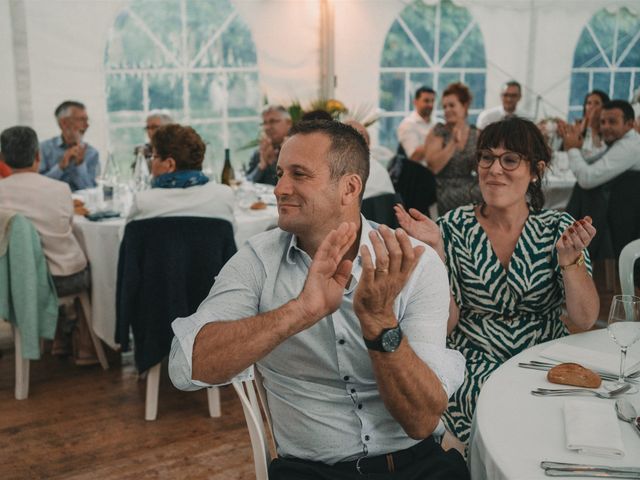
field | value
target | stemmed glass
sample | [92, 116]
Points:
[624, 328]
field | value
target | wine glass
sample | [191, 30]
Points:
[624, 328]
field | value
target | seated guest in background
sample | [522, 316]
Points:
[413, 129]
[590, 124]
[276, 123]
[379, 181]
[155, 120]
[67, 157]
[512, 265]
[179, 188]
[622, 151]
[450, 150]
[510, 95]
[298, 300]
[47, 204]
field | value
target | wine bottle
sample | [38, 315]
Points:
[227, 176]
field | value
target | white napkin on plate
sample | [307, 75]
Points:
[607, 362]
[592, 428]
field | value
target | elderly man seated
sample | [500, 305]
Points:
[67, 157]
[47, 204]
[179, 188]
[155, 120]
[276, 123]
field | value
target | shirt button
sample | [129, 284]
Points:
[341, 341]
[359, 406]
[366, 437]
[346, 378]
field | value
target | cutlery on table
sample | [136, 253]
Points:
[626, 412]
[559, 469]
[608, 376]
[560, 392]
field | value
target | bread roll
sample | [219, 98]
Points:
[574, 374]
[259, 205]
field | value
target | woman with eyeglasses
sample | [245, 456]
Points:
[512, 264]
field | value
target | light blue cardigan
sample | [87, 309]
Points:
[27, 294]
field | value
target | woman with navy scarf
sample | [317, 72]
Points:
[179, 188]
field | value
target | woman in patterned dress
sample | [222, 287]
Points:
[512, 264]
[450, 151]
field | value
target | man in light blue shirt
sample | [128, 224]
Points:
[66, 157]
[346, 324]
[623, 147]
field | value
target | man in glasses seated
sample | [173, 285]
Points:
[155, 120]
[345, 320]
[67, 157]
[510, 95]
[276, 123]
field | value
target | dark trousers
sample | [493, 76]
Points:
[430, 463]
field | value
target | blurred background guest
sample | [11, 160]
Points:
[67, 157]
[47, 204]
[450, 151]
[179, 188]
[276, 123]
[510, 96]
[155, 120]
[512, 265]
[413, 129]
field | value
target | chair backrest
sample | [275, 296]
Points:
[380, 209]
[252, 396]
[166, 269]
[623, 214]
[628, 257]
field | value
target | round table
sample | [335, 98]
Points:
[101, 243]
[513, 431]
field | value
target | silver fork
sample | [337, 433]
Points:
[547, 392]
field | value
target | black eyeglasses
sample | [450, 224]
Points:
[508, 160]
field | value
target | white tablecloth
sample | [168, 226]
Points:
[513, 431]
[101, 242]
[558, 182]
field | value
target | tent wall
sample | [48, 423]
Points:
[51, 50]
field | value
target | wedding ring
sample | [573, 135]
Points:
[382, 270]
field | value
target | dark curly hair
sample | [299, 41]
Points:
[183, 144]
[521, 136]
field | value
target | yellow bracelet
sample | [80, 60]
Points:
[579, 261]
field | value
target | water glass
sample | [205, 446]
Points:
[624, 328]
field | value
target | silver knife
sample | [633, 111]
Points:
[556, 472]
[583, 467]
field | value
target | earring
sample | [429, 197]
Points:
[534, 181]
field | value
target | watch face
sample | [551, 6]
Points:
[391, 340]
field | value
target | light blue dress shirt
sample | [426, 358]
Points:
[622, 155]
[77, 176]
[321, 389]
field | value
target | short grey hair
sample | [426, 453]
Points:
[64, 109]
[162, 115]
[19, 146]
[279, 109]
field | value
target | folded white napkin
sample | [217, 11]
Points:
[592, 428]
[607, 362]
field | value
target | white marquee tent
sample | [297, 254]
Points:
[52, 50]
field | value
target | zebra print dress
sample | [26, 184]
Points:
[502, 312]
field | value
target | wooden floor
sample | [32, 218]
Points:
[85, 423]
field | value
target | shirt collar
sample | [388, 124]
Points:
[60, 142]
[356, 271]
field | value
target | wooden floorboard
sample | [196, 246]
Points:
[85, 423]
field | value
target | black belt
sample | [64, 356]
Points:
[389, 462]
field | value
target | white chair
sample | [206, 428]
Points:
[628, 256]
[252, 396]
[22, 365]
[153, 387]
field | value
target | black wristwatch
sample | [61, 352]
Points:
[388, 341]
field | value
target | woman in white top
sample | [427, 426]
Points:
[179, 188]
